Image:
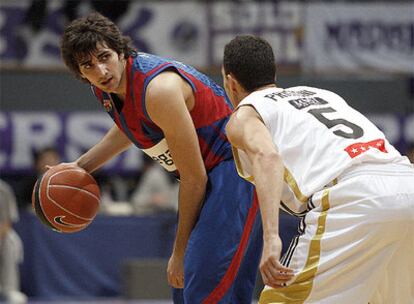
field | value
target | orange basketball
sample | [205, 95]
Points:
[66, 198]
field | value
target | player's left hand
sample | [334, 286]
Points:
[175, 271]
[274, 274]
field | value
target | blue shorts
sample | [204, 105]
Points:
[224, 249]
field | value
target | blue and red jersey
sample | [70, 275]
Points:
[230, 200]
[210, 113]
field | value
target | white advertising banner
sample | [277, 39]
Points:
[363, 36]
[188, 31]
[281, 23]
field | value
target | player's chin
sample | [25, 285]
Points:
[110, 86]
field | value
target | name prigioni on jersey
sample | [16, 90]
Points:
[318, 136]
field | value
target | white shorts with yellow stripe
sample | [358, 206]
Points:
[357, 245]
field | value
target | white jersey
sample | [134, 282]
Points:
[319, 136]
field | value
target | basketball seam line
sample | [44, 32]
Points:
[70, 187]
[64, 209]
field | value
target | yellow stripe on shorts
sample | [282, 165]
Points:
[298, 291]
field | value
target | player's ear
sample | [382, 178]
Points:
[233, 83]
[122, 59]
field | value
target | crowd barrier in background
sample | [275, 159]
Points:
[106, 259]
[319, 36]
[88, 264]
[73, 133]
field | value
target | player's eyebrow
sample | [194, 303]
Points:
[101, 53]
[84, 59]
[85, 62]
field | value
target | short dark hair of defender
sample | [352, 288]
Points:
[251, 61]
[81, 36]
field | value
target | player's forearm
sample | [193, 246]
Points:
[268, 174]
[113, 143]
[191, 196]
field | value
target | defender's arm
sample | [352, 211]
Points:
[247, 132]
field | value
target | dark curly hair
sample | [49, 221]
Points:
[251, 61]
[81, 36]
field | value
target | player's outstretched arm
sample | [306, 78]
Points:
[247, 132]
[113, 143]
[166, 99]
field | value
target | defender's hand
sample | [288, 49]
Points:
[274, 274]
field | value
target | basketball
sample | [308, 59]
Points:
[66, 198]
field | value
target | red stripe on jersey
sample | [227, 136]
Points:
[210, 158]
[97, 93]
[217, 294]
[361, 147]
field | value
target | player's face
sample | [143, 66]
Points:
[104, 69]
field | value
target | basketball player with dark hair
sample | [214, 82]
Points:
[176, 115]
[311, 154]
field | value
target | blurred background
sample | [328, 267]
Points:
[363, 50]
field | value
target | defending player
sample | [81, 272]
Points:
[328, 163]
[176, 115]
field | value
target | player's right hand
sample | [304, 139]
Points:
[274, 274]
[175, 271]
